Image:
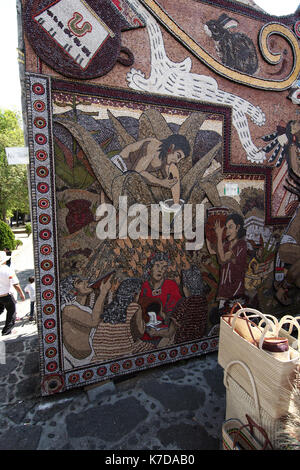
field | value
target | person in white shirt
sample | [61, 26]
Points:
[8, 279]
[30, 290]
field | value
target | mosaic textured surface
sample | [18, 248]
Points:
[42, 178]
[67, 245]
[234, 57]
[108, 125]
[77, 38]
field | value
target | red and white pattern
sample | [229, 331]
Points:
[41, 170]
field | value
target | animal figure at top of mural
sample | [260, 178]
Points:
[176, 79]
[236, 50]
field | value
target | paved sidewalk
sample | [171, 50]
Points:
[173, 407]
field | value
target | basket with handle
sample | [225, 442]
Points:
[273, 377]
[237, 436]
[240, 404]
[293, 323]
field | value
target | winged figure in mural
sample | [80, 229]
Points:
[155, 167]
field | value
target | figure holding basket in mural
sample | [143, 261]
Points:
[121, 324]
[232, 257]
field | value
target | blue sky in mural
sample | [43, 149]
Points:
[10, 93]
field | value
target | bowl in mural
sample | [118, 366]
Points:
[168, 207]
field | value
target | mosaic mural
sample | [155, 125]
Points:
[165, 181]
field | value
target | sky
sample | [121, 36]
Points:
[10, 91]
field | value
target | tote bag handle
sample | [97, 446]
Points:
[255, 395]
[292, 321]
[269, 326]
[253, 425]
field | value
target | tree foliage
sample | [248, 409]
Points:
[13, 178]
[7, 237]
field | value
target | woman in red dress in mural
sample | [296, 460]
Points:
[232, 257]
[165, 291]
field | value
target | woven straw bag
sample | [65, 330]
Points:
[272, 377]
[280, 331]
[237, 436]
[239, 403]
[292, 321]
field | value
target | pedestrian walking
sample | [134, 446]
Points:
[30, 290]
[8, 279]
[8, 252]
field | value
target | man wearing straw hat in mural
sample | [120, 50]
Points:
[8, 279]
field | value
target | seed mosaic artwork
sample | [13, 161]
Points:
[164, 179]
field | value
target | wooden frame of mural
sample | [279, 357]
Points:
[76, 131]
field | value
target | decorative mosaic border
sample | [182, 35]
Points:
[133, 364]
[44, 230]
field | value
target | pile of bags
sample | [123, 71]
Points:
[260, 360]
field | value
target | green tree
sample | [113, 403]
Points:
[7, 237]
[13, 178]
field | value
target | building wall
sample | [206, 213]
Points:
[106, 84]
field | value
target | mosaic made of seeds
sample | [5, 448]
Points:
[160, 124]
[136, 301]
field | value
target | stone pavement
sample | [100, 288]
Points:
[175, 407]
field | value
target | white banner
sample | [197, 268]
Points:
[17, 155]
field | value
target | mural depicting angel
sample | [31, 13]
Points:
[154, 167]
[147, 156]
